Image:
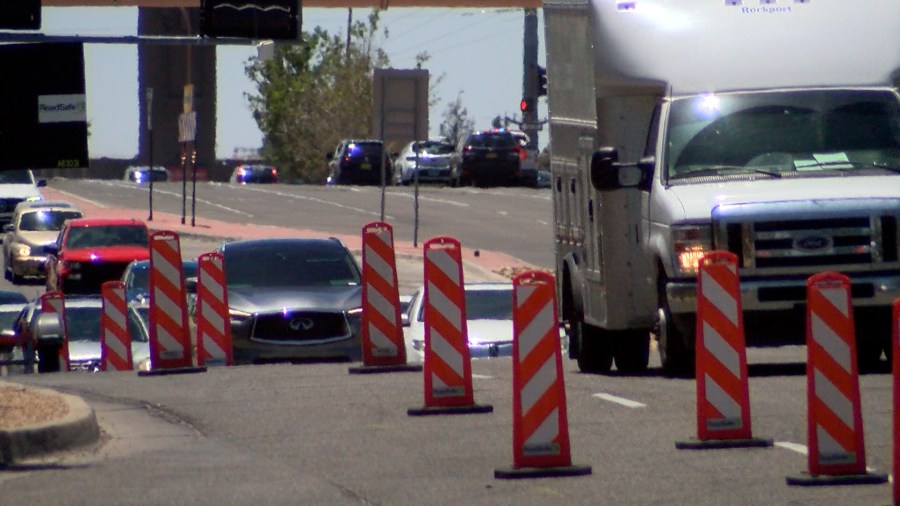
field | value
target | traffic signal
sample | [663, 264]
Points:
[541, 81]
[526, 105]
[20, 14]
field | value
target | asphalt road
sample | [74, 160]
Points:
[314, 434]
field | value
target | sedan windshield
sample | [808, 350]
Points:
[785, 134]
[284, 265]
[45, 220]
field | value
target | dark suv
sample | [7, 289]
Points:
[359, 162]
[491, 157]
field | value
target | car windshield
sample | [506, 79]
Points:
[139, 277]
[435, 148]
[16, 176]
[45, 220]
[492, 141]
[786, 134]
[484, 304]
[106, 235]
[83, 324]
[283, 265]
[364, 148]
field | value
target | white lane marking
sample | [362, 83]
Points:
[794, 447]
[322, 201]
[176, 194]
[429, 199]
[503, 213]
[482, 377]
[628, 403]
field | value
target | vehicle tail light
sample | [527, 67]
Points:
[522, 154]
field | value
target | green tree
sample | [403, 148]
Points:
[310, 95]
[456, 121]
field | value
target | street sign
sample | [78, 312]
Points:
[187, 126]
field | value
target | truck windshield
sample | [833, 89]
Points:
[794, 133]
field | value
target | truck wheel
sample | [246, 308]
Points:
[594, 351]
[676, 359]
[633, 351]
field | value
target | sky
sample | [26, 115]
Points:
[477, 53]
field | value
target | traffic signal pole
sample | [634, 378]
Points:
[530, 83]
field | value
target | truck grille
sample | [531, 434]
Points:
[300, 326]
[810, 245]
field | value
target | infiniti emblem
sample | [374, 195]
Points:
[301, 323]
[812, 242]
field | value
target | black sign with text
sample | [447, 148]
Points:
[43, 124]
[251, 19]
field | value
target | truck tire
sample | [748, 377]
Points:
[676, 358]
[633, 351]
[595, 355]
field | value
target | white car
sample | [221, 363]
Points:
[432, 163]
[489, 321]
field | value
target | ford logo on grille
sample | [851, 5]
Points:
[301, 323]
[812, 243]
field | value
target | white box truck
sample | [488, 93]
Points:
[767, 128]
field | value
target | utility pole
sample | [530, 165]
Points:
[530, 76]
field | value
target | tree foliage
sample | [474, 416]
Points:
[456, 121]
[310, 95]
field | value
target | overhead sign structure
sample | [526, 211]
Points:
[254, 19]
[44, 120]
[20, 14]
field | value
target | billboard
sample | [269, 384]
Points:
[400, 106]
[43, 124]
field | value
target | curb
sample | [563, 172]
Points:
[78, 428]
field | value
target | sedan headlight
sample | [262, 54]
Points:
[238, 316]
[689, 244]
[21, 250]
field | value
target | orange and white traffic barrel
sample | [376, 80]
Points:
[55, 303]
[540, 424]
[170, 343]
[383, 348]
[837, 453]
[723, 393]
[115, 341]
[214, 345]
[447, 368]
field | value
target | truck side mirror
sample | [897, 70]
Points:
[608, 174]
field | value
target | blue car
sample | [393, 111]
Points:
[137, 279]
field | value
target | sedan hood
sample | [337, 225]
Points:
[41, 238]
[325, 298]
[107, 254]
[698, 200]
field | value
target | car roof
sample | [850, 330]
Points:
[145, 264]
[90, 222]
[249, 243]
[39, 204]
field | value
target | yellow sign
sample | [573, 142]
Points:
[188, 97]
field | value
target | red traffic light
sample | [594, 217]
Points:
[526, 105]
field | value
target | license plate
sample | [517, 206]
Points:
[365, 166]
[491, 155]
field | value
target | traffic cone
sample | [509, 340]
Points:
[383, 347]
[540, 426]
[837, 452]
[448, 368]
[723, 393]
[115, 341]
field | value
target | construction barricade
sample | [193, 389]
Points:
[895, 357]
[383, 348]
[723, 393]
[540, 424]
[115, 341]
[55, 303]
[837, 453]
[214, 345]
[170, 344]
[448, 367]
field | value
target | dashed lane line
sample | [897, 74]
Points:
[628, 403]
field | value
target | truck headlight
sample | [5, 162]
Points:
[689, 244]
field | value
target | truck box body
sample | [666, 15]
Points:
[770, 129]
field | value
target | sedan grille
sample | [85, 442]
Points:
[300, 326]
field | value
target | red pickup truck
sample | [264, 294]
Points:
[91, 251]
